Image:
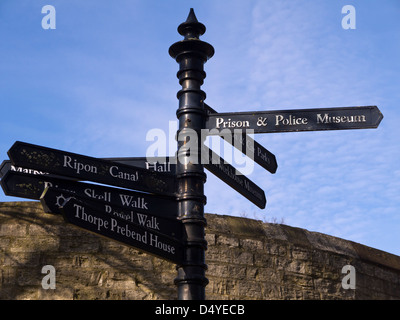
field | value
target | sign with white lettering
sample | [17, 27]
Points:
[298, 120]
[235, 179]
[31, 186]
[250, 147]
[158, 164]
[52, 199]
[112, 227]
[213, 163]
[92, 169]
[7, 166]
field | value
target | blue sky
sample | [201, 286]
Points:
[103, 78]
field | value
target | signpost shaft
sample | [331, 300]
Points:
[191, 54]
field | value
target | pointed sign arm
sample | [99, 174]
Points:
[342, 118]
[250, 147]
[91, 169]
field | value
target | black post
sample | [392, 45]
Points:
[191, 54]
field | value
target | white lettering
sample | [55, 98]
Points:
[127, 232]
[130, 201]
[224, 309]
[97, 221]
[148, 223]
[243, 162]
[49, 20]
[172, 310]
[252, 190]
[222, 123]
[349, 280]
[159, 167]
[160, 245]
[263, 156]
[326, 118]
[106, 196]
[189, 151]
[289, 121]
[349, 20]
[114, 171]
[159, 147]
[49, 280]
[78, 166]
[121, 215]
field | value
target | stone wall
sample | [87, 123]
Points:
[247, 259]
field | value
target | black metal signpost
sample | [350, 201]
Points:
[157, 204]
[191, 54]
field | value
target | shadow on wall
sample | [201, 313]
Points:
[87, 266]
[247, 259]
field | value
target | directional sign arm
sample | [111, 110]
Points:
[92, 169]
[79, 214]
[298, 120]
[219, 167]
[31, 186]
[5, 166]
[250, 147]
[53, 199]
[158, 164]
[231, 176]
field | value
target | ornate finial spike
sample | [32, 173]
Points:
[191, 28]
[191, 17]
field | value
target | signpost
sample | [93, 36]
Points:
[158, 206]
[298, 120]
[191, 53]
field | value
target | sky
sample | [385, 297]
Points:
[103, 78]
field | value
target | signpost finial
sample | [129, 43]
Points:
[191, 28]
